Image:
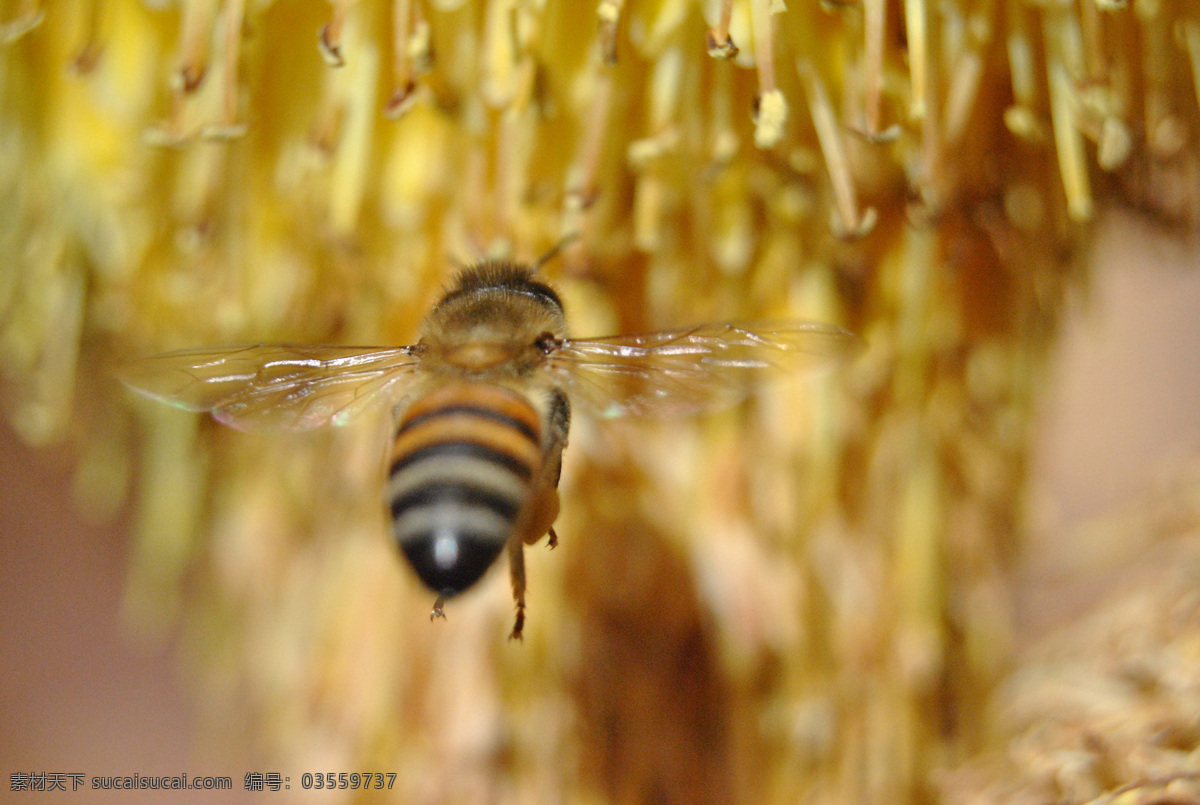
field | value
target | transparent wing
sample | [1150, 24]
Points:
[695, 368]
[276, 386]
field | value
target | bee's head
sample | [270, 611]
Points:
[494, 316]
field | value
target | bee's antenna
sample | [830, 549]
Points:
[555, 250]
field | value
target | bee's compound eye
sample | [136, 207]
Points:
[449, 563]
[547, 342]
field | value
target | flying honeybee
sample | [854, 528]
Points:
[482, 406]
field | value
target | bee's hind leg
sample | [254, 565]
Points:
[516, 567]
[536, 522]
[438, 612]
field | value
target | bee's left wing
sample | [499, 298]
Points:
[271, 386]
[694, 368]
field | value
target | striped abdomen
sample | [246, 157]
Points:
[463, 463]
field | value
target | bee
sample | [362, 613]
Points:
[482, 406]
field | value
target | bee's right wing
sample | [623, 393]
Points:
[693, 369]
[276, 386]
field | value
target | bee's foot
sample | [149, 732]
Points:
[518, 624]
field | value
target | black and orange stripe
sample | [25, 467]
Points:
[463, 463]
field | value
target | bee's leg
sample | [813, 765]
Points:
[543, 511]
[516, 566]
[536, 521]
[543, 508]
[437, 608]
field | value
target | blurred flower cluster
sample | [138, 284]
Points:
[804, 599]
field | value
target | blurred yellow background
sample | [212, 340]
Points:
[835, 593]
